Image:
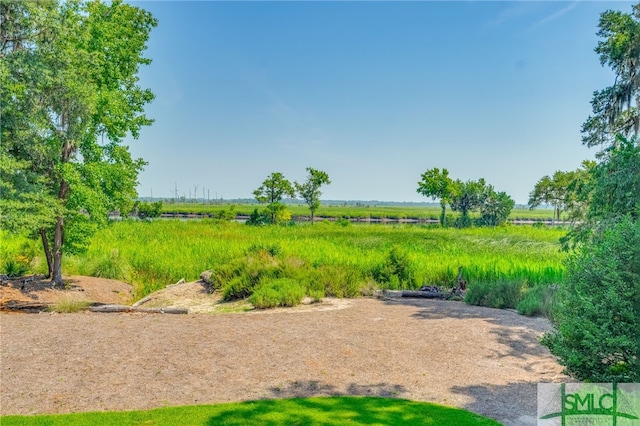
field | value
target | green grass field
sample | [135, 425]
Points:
[306, 411]
[152, 254]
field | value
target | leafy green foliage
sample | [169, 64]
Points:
[537, 301]
[564, 191]
[397, 271]
[597, 315]
[15, 267]
[616, 109]
[145, 209]
[309, 191]
[277, 292]
[70, 95]
[495, 208]
[437, 184]
[112, 266]
[494, 294]
[274, 188]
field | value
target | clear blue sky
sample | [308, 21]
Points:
[373, 93]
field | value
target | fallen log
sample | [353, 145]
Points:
[28, 307]
[423, 294]
[125, 308]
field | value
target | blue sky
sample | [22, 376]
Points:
[373, 93]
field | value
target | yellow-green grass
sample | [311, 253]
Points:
[333, 211]
[161, 252]
[297, 411]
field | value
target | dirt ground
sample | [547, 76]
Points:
[484, 360]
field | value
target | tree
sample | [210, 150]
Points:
[69, 95]
[597, 314]
[616, 109]
[437, 184]
[310, 190]
[597, 310]
[468, 196]
[496, 207]
[274, 188]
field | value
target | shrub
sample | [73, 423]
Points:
[537, 301]
[336, 281]
[596, 314]
[494, 294]
[277, 292]
[111, 266]
[397, 271]
[16, 267]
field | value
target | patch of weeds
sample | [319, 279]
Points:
[112, 266]
[16, 267]
[494, 294]
[277, 292]
[336, 281]
[537, 301]
[397, 271]
[69, 306]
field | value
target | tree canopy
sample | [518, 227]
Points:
[274, 188]
[70, 95]
[309, 191]
[616, 109]
[437, 185]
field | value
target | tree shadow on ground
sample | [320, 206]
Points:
[517, 335]
[343, 410]
[514, 404]
[310, 388]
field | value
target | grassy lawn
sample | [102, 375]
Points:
[297, 411]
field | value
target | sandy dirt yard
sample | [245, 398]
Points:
[484, 360]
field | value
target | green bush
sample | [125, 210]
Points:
[397, 271]
[16, 267]
[277, 292]
[537, 301]
[336, 281]
[494, 294]
[596, 313]
[111, 266]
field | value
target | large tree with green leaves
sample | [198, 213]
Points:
[274, 188]
[597, 310]
[70, 94]
[437, 185]
[616, 109]
[309, 191]
[468, 196]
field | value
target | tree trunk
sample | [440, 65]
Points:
[47, 252]
[443, 214]
[57, 253]
[58, 235]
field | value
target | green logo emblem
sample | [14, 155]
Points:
[568, 404]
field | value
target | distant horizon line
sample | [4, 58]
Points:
[296, 201]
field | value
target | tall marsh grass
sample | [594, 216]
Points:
[161, 252]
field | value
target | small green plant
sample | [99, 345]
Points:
[494, 294]
[277, 292]
[316, 295]
[69, 306]
[397, 271]
[16, 267]
[112, 266]
[537, 301]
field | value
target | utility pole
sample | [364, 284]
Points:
[195, 193]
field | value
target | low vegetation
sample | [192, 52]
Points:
[504, 266]
[317, 411]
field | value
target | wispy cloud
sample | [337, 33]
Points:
[556, 15]
[513, 11]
